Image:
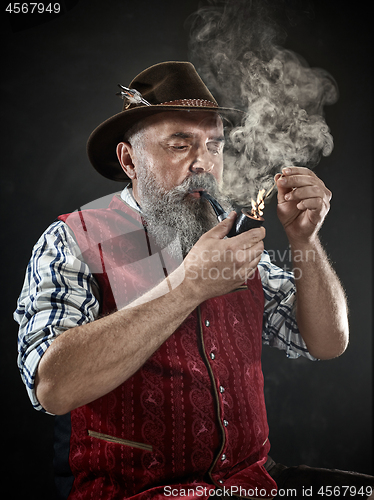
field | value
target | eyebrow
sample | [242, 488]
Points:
[188, 135]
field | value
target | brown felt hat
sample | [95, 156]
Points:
[163, 87]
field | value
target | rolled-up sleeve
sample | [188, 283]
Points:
[59, 292]
[280, 328]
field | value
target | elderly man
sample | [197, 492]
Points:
[141, 324]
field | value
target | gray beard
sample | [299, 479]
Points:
[175, 220]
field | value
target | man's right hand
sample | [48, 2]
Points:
[216, 265]
[81, 364]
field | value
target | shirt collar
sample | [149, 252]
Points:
[128, 197]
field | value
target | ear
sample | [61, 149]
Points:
[124, 154]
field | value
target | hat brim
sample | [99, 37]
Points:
[102, 143]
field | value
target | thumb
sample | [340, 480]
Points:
[222, 229]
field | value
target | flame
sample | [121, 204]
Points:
[258, 205]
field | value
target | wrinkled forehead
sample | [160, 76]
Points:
[209, 122]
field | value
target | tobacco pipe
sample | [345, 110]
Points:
[244, 222]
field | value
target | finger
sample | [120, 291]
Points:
[291, 170]
[317, 208]
[294, 188]
[282, 187]
[248, 255]
[222, 229]
[292, 181]
[249, 268]
[303, 193]
[248, 238]
[301, 176]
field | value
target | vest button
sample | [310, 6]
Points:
[223, 457]
[225, 423]
[212, 355]
[207, 323]
[221, 389]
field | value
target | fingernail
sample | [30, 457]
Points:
[286, 170]
[232, 215]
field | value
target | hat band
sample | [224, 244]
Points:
[190, 102]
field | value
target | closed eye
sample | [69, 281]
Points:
[215, 148]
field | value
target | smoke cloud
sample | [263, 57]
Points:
[236, 46]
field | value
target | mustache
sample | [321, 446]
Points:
[204, 181]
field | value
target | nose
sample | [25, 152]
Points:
[202, 162]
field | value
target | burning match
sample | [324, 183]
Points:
[271, 189]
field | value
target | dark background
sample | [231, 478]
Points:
[58, 83]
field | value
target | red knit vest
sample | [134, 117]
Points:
[193, 417]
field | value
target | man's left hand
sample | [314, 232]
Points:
[303, 203]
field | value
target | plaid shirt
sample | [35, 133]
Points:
[60, 292]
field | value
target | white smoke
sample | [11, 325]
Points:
[236, 48]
